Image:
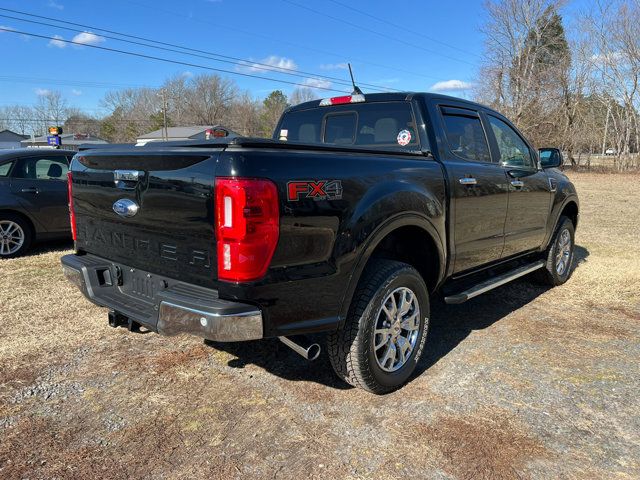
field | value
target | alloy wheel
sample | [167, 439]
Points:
[11, 237]
[397, 328]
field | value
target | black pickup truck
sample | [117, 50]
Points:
[357, 210]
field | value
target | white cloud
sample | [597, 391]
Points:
[5, 28]
[316, 83]
[57, 42]
[53, 4]
[77, 93]
[187, 74]
[450, 86]
[608, 58]
[334, 66]
[41, 92]
[271, 63]
[88, 38]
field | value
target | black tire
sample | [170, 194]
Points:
[352, 349]
[551, 274]
[7, 219]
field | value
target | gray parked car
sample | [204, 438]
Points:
[33, 198]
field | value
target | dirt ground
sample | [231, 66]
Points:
[523, 382]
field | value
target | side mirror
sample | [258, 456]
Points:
[550, 157]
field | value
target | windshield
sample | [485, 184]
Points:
[379, 125]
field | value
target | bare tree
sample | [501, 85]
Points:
[209, 99]
[526, 50]
[301, 95]
[51, 108]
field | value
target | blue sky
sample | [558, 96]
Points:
[418, 45]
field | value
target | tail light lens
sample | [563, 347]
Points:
[247, 227]
[72, 213]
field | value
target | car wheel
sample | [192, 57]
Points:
[383, 337]
[559, 255]
[15, 236]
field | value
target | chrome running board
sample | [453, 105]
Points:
[494, 282]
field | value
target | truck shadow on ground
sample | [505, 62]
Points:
[449, 325]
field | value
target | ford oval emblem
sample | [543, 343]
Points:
[125, 207]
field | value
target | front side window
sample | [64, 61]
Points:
[466, 137]
[4, 169]
[514, 152]
[42, 168]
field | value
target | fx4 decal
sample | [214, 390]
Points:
[315, 189]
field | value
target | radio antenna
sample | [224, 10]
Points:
[356, 90]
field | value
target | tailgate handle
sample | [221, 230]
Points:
[126, 179]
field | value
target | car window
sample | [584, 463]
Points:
[466, 137]
[514, 152]
[42, 168]
[340, 129]
[4, 169]
[386, 125]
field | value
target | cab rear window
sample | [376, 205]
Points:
[385, 125]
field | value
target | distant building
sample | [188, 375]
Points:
[70, 141]
[196, 132]
[9, 139]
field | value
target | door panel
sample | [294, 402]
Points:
[479, 213]
[529, 193]
[40, 183]
[478, 188]
[529, 207]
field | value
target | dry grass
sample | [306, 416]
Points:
[522, 382]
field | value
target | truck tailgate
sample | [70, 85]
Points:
[148, 211]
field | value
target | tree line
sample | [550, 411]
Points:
[572, 85]
[193, 100]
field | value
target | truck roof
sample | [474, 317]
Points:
[388, 97]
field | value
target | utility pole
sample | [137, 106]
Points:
[165, 132]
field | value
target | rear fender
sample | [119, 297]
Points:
[371, 225]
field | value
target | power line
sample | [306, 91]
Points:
[83, 120]
[342, 56]
[199, 53]
[403, 27]
[166, 60]
[375, 32]
[71, 83]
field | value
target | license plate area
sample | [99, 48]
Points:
[141, 284]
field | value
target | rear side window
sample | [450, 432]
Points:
[384, 125]
[5, 168]
[42, 168]
[513, 151]
[466, 137]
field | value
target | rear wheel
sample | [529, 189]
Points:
[386, 328]
[559, 255]
[15, 235]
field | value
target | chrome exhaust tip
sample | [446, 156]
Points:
[309, 351]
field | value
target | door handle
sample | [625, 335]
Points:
[29, 190]
[468, 181]
[517, 183]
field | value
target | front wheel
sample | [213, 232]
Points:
[384, 333]
[559, 255]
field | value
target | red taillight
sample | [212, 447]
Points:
[247, 227]
[72, 213]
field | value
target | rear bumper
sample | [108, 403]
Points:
[164, 305]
